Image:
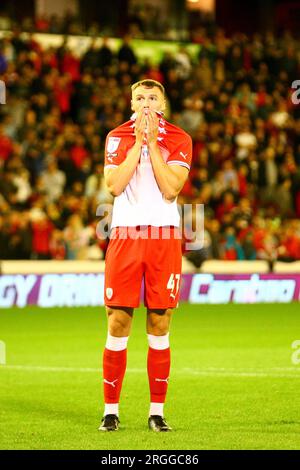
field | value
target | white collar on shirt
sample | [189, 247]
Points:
[159, 113]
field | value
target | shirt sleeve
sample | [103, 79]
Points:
[115, 151]
[182, 154]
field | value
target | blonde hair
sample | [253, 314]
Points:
[148, 83]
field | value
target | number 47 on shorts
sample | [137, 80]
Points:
[173, 284]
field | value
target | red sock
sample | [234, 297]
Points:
[159, 361]
[114, 366]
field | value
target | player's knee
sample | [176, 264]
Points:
[118, 323]
[159, 330]
[159, 323]
[118, 328]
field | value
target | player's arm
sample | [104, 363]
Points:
[170, 179]
[117, 178]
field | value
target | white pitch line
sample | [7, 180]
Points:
[58, 369]
[286, 372]
[240, 373]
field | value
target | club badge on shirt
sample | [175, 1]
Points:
[112, 144]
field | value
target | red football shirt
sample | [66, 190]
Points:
[141, 202]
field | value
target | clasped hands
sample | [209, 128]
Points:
[146, 126]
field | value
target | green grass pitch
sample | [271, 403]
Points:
[233, 384]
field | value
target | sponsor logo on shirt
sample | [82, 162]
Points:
[145, 153]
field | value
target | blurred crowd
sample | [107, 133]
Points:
[142, 21]
[68, 23]
[236, 101]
